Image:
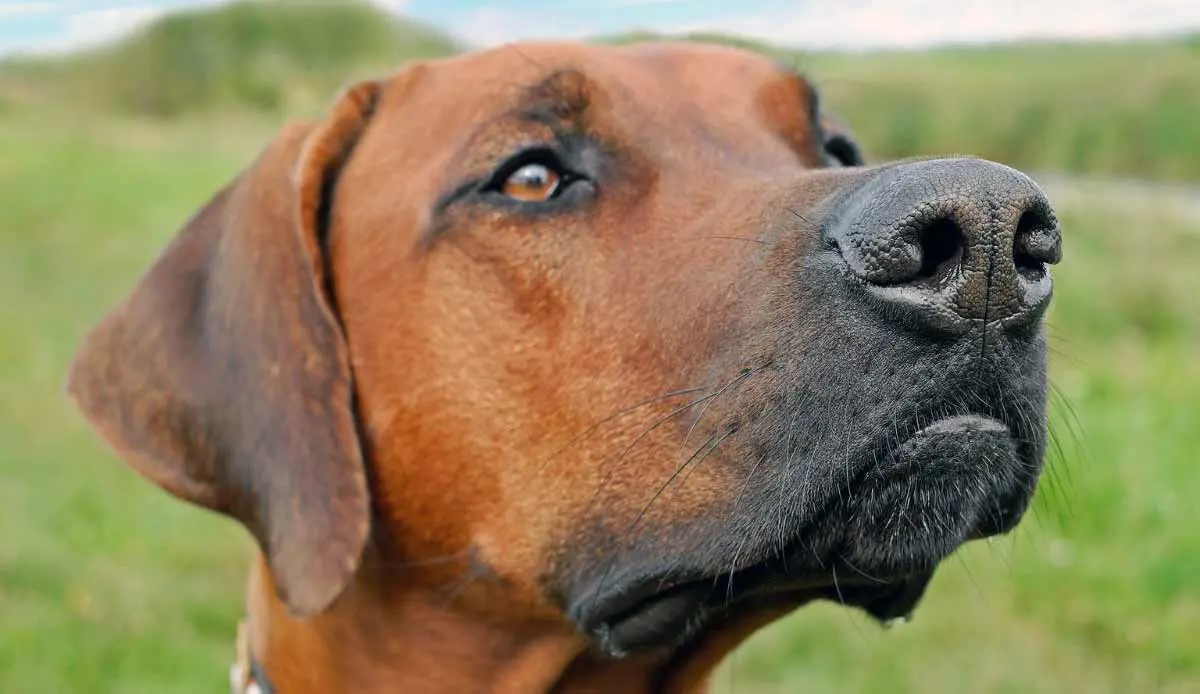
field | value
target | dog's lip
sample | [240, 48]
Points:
[654, 610]
[646, 615]
[654, 613]
[628, 599]
[963, 423]
[949, 447]
[903, 454]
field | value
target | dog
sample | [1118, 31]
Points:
[561, 367]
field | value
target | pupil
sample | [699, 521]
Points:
[533, 176]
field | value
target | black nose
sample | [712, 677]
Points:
[952, 243]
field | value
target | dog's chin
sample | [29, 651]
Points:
[876, 549]
[958, 478]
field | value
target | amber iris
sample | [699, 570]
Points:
[532, 183]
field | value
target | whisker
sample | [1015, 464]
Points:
[687, 465]
[1065, 355]
[612, 467]
[859, 571]
[800, 216]
[733, 564]
[841, 599]
[738, 499]
[691, 462]
[1060, 457]
[675, 475]
[962, 561]
[440, 560]
[645, 509]
[837, 587]
[1071, 420]
[540, 467]
[736, 238]
[746, 373]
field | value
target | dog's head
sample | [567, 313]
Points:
[630, 336]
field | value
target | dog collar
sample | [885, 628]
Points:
[246, 675]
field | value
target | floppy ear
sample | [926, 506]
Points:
[839, 143]
[224, 376]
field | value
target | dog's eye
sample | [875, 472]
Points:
[533, 176]
[534, 182]
[844, 151]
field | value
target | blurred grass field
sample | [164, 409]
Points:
[108, 585]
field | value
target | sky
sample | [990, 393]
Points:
[58, 25]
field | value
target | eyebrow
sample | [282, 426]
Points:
[559, 102]
[561, 99]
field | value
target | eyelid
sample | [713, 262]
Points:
[492, 182]
[538, 154]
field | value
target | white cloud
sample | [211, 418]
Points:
[17, 9]
[391, 5]
[490, 25]
[87, 28]
[611, 4]
[851, 24]
[91, 27]
[84, 25]
[914, 23]
[807, 23]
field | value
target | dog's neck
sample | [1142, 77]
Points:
[372, 643]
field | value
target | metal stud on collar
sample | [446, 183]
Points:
[240, 682]
[241, 677]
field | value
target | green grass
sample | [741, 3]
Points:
[103, 587]
[1125, 109]
[1107, 108]
[262, 56]
[109, 585]
[1104, 108]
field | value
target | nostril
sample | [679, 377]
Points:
[941, 242]
[1037, 242]
[948, 245]
[1028, 266]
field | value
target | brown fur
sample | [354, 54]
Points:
[497, 375]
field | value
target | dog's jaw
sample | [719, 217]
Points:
[377, 639]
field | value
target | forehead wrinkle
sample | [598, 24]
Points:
[561, 98]
[552, 106]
